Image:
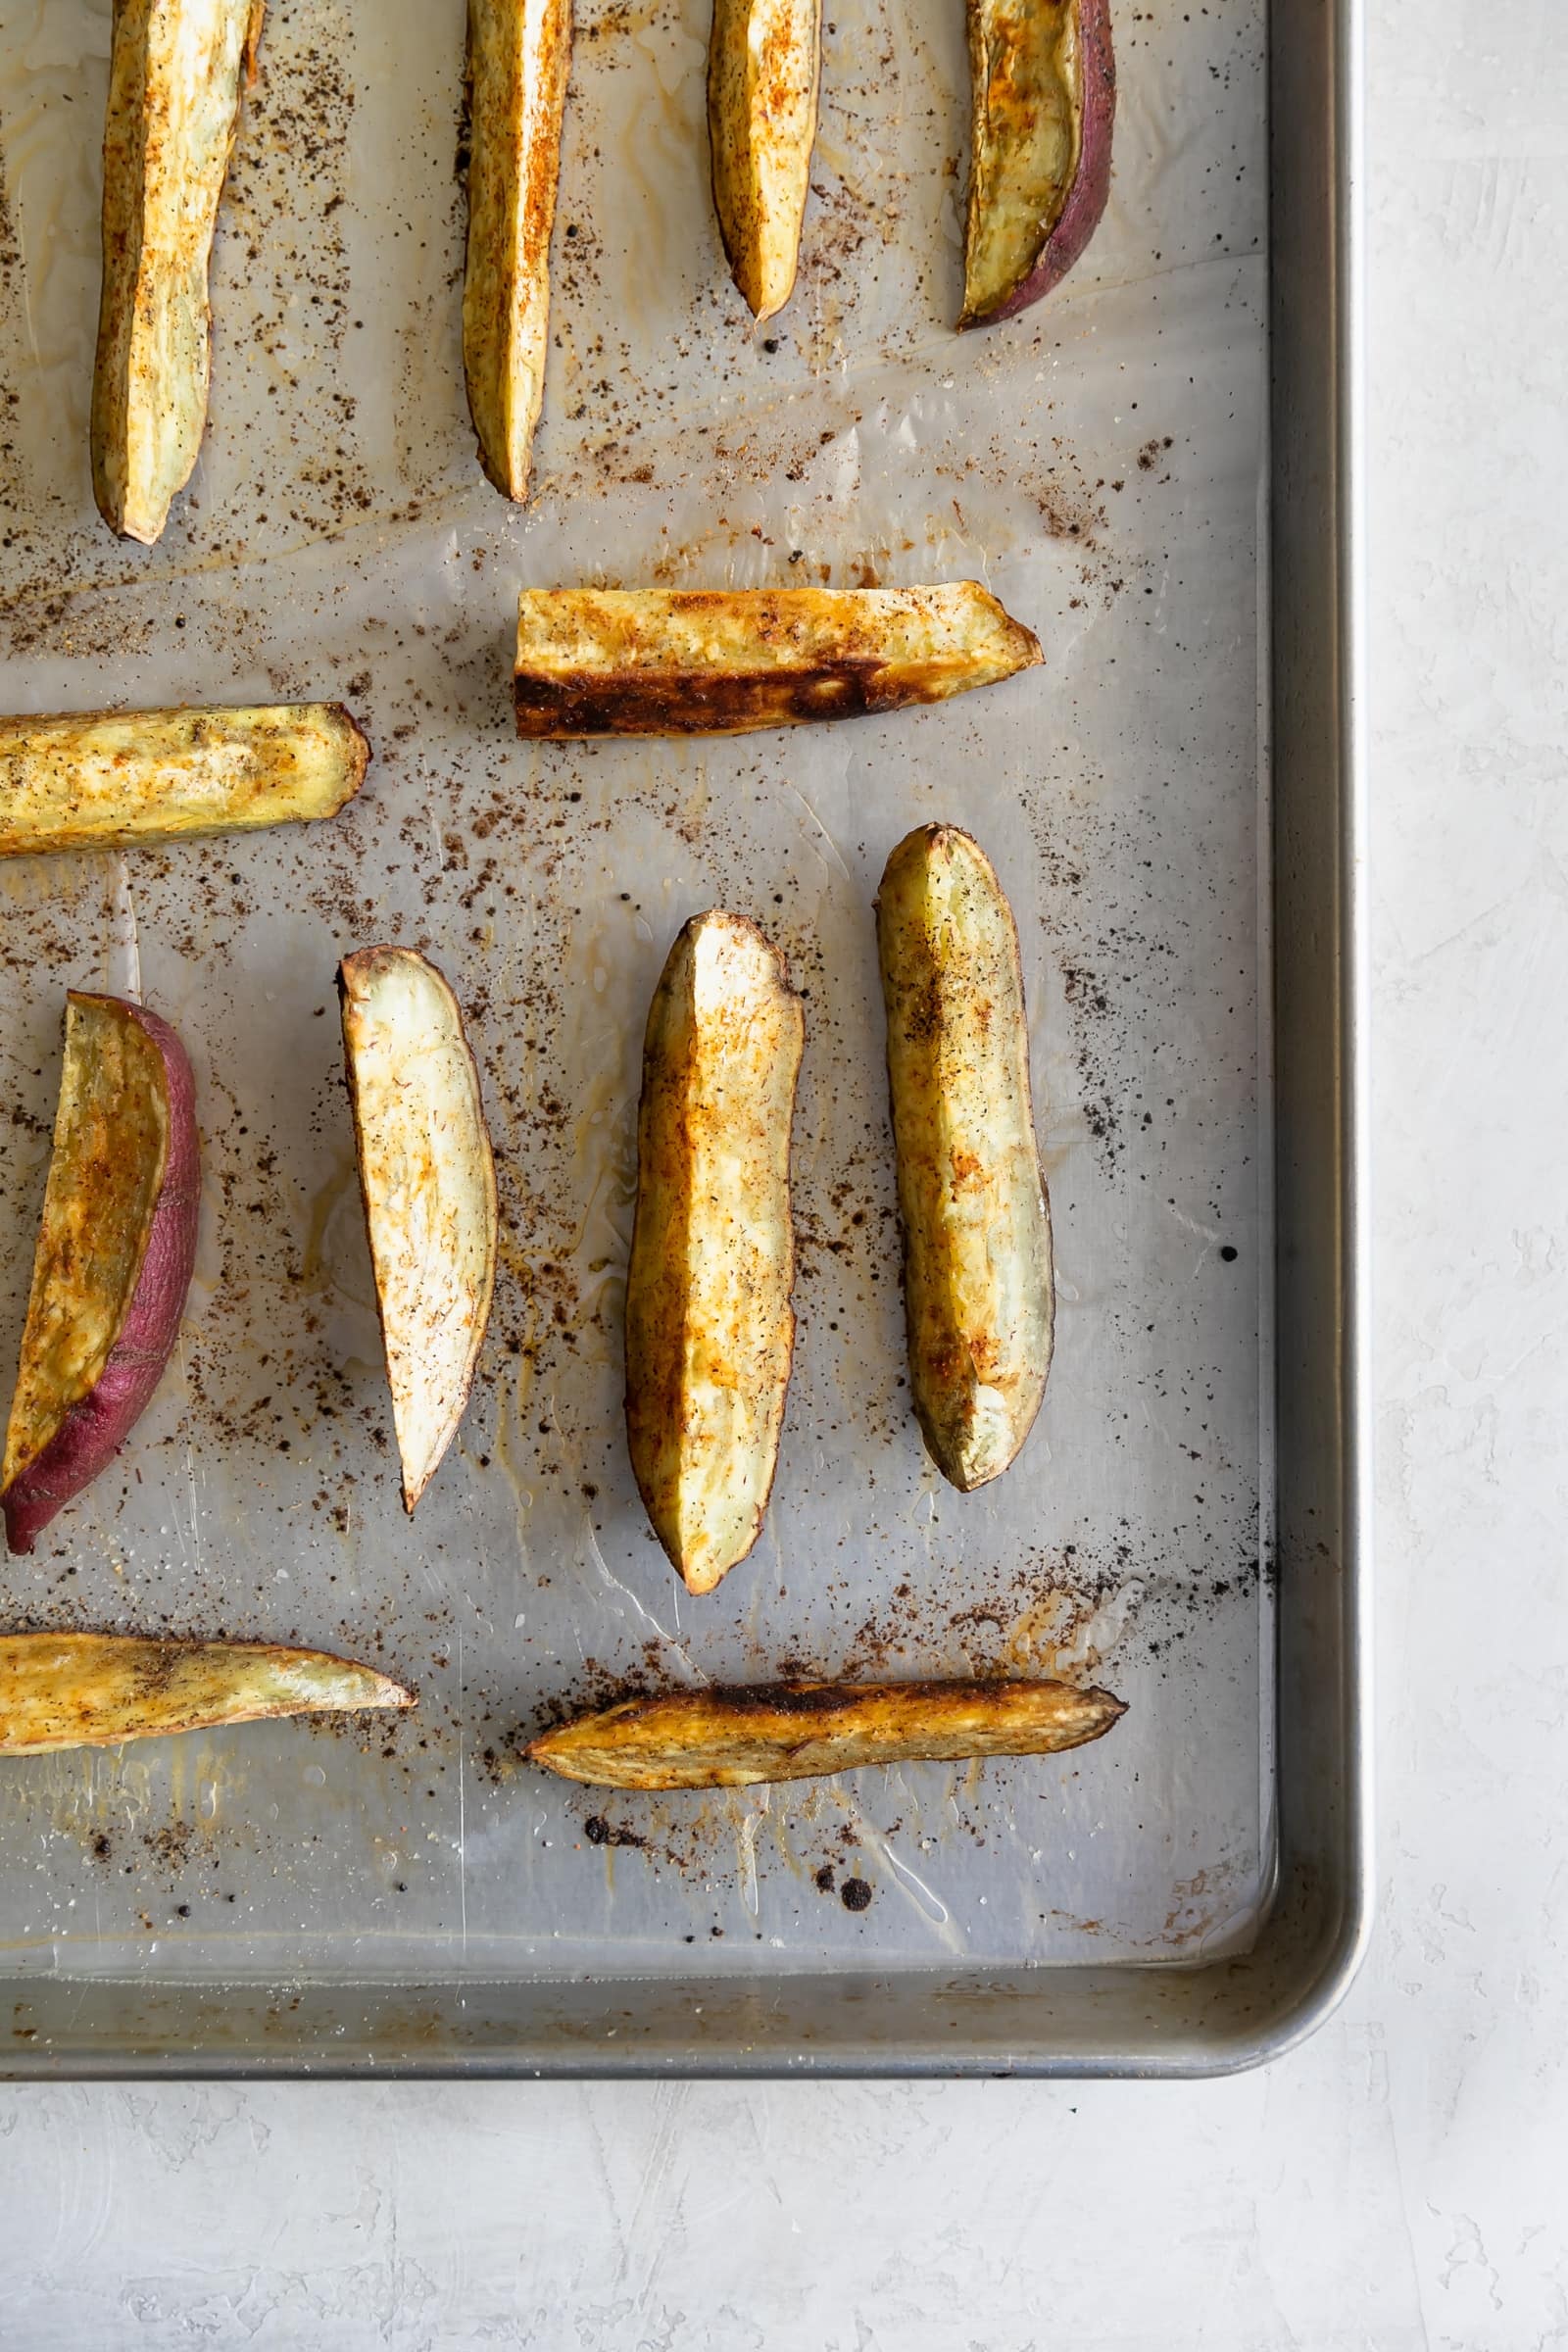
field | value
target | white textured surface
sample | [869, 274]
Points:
[1399, 2182]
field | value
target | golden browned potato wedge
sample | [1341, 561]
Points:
[1043, 81]
[176, 72]
[96, 1690]
[428, 1181]
[764, 69]
[113, 1264]
[520, 54]
[979, 1297]
[724, 661]
[730, 1738]
[710, 1329]
[97, 778]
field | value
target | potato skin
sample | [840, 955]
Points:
[93, 1426]
[763, 76]
[1043, 81]
[710, 1328]
[518, 60]
[733, 1739]
[724, 662]
[175, 75]
[95, 1689]
[979, 1300]
[94, 779]
[428, 1184]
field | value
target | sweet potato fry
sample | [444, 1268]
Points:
[96, 779]
[710, 1329]
[96, 1690]
[177, 71]
[730, 1738]
[724, 662]
[978, 1285]
[520, 55]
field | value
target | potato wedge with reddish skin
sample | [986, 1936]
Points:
[764, 71]
[1043, 79]
[710, 1329]
[429, 1182]
[115, 778]
[177, 71]
[724, 662]
[97, 1689]
[732, 1738]
[978, 1289]
[520, 57]
[116, 1248]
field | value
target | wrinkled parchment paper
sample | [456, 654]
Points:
[1101, 462]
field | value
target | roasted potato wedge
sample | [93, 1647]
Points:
[1043, 98]
[519, 56]
[724, 662]
[116, 778]
[979, 1297]
[730, 1739]
[764, 71]
[429, 1182]
[710, 1329]
[176, 69]
[113, 1259]
[96, 1690]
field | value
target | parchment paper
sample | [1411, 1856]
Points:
[1101, 463]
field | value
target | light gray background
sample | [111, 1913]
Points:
[1398, 2182]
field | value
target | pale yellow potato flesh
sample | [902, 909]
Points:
[1026, 78]
[519, 56]
[117, 778]
[724, 662]
[979, 1295]
[106, 1174]
[733, 1739]
[176, 75]
[428, 1181]
[96, 1690]
[764, 71]
[710, 1329]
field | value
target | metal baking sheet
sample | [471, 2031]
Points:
[1190, 1891]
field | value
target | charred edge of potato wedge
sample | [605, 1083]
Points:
[1043, 76]
[169, 133]
[113, 1263]
[60, 1691]
[979, 1292]
[710, 1323]
[728, 1739]
[724, 662]
[119, 778]
[428, 1184]
[763, 77]
[517, 68]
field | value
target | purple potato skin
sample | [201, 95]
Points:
[1080, 215]
[94, 1430]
